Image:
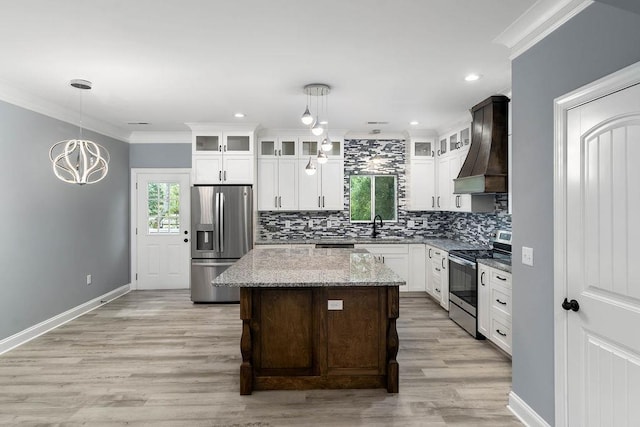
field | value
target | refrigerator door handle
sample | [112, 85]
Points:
[221, 223]
[216, 241]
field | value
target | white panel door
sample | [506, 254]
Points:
[332, 185]
[163, 229]
[287, 184]
[603, 261]
[422, 186]
[309, 188]
[444, 185]
[207, 169]
[238, 169]
[267, 184]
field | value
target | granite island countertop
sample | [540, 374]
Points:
[440, 243]
[307, 267]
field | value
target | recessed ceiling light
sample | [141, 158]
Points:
[472, 77]
[238, 115]
[414, 122]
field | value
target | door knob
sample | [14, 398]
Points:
[570, 305]
[186, 232]
[186, 240]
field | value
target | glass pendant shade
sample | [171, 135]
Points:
[311, 168]
[322, 158]
[78, 161]
[317, 129]
[307, 118]
[326, 145]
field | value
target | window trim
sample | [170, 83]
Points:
[373, 189]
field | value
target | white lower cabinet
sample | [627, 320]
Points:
[417, 269]
[494, 306]
[395, 256]
[437, 264]
[484, 308]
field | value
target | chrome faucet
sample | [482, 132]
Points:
[375, 231]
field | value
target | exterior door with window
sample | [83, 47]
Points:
[602, 268]
[163, 231]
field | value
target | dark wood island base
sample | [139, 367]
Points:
[298, 338]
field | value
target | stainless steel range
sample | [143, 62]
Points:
[463, 280]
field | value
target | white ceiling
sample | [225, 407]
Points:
[175, 61]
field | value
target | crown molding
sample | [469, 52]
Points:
[159, 137]
[30, 102]
[540, 20]
[220, 127]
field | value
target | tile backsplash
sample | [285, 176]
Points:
[468, 227]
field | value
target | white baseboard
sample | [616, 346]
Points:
[524, 412]
[28, 334]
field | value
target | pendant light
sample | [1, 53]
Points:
[319, 90]
[326, 144]
[322, 158]
[79, 161]
[311, 168]
[317, 128]
[307, 118]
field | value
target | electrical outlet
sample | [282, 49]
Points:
[411, 223]
[328, 223]
[527, 256]
[287, 224]
[310, 223]
[88, 279]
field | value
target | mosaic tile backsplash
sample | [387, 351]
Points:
[468, 227]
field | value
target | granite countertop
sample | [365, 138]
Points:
[495, 263]
[444, 244]
[307, 267]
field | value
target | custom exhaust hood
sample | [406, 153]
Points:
[485, 169]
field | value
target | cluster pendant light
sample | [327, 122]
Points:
[79, 161]
[321, 92]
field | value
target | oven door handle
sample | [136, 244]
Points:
[462, 261]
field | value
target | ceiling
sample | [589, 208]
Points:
[176, 61]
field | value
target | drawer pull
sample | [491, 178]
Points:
[482, 278]
[499, 332]
[500, 302]
[437, 290]
[437, 269]
[501, 278]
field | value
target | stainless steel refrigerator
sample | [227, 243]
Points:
[222, 232]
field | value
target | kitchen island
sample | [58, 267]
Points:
[316, 318]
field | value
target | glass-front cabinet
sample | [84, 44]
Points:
[278, 147]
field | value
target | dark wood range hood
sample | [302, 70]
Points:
[485, 169]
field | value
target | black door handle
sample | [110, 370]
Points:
[570, 305]
[186, 240]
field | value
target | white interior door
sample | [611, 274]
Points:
[163, 230]
[603, 261]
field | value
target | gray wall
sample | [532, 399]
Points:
[54, 233]
[160, 155]
[597, 42]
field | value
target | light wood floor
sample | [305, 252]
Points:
[154, 358]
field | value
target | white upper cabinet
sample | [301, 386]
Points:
[421, 176]
[283, 183]
[220, 157]
[277, 174]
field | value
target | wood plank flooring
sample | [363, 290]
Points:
[154, 358]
